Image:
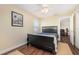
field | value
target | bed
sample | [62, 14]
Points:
[46, 40]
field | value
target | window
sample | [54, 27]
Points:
[36, 25]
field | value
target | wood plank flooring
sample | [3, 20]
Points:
[30, 50]
[74, 50]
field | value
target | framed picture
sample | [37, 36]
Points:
[17, 19]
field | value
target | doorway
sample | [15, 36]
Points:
[65, 29]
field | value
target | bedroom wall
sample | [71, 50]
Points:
[13, 36]
[51, 21]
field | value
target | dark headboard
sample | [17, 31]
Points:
[50, 29]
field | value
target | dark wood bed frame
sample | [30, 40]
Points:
[43, 42]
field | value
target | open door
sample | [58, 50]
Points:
[72, 28]
[67, 28]
[77, 29]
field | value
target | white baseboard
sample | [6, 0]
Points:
[11, 48]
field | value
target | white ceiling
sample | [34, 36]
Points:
[53, 9]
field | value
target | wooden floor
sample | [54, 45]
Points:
[30, 50]
[74, 50]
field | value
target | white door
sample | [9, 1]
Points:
[71, 30]
[77, 30]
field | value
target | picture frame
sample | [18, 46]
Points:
[17, 19]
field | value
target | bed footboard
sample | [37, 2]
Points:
[42, 42]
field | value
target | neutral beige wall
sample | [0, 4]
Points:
[51, 21]
[12, 36]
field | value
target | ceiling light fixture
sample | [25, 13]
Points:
[44, 9]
